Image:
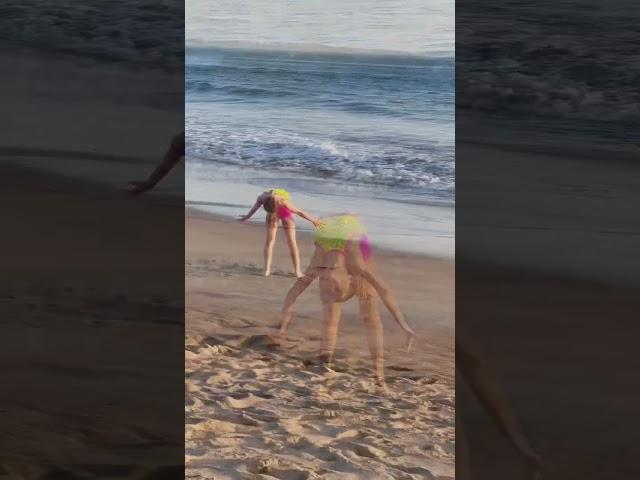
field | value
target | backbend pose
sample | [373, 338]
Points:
[171, 158]
[277, 204]
[342, 260]
[485, 386]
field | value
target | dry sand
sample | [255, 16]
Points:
[252, 412]
[91, 343]
[561, 349]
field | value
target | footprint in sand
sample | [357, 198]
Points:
[209, 428]
[291, 474]
[398, 368]
[350, 433]
[369, 451]
[211, 341]
[257, 342]
[243, 402]
[421, 472]
[220, 378]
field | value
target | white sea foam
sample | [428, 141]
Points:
[360, 120]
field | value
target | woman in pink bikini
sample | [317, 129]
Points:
[342, 261]
[277, 204]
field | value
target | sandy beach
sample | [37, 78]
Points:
[255, 412]
[546, 288]
[92, 331]
[560, 348]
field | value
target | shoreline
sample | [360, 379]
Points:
[83, 125]
[399, 221]
[77, 239]
[194, 212]
[581, 233]
[245, 254]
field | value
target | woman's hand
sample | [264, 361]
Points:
[410, 336]
[138, 187]
[318, 223]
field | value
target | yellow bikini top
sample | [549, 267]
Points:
[337, 230]
[280, 192]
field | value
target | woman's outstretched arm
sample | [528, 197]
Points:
[301, 213]
[170, 160]
[357, 267]
[253, 210]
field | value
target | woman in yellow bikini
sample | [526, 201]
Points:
[342, 260]
[277, 204]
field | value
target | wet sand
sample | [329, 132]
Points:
[92, 331]
[255, 412]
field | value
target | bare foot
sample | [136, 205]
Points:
[275, 340]
[381, 386]
[267, 274]
[299, 274]
[137, 187]
[410, 337]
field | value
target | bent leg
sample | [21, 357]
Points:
[318, 259]
[272, 229]
[357, 267]
[331, 289]
[332, 312]
[292, 295]
[290, 231]
[371, 318]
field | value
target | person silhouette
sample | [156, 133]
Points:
[173, 156]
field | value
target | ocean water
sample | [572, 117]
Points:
[384, 121]
[94, 87]
[547, 94]
[347, 104]
[568, 70]
[369, 129]
[145, 32]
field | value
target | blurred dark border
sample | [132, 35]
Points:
[547, 230]
[92, 287]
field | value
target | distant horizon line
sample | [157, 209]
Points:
[317, 49]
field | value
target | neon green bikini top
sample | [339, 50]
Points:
[280, 192]
[336, 231]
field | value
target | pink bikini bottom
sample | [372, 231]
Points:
[283, 213]
[365, 248]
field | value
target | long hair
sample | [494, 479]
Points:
[363, 288]
[270, 204]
